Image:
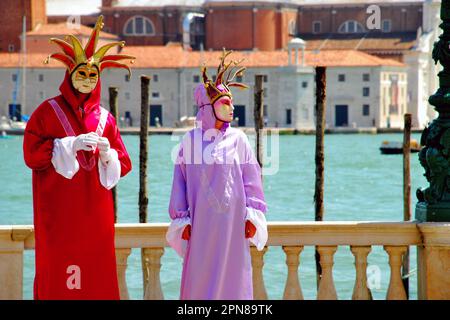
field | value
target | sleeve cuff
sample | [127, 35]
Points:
[174, 233]
[64, 160]
[110, 173]
[258, 218]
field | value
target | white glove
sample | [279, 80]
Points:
[103, 148]
[87, 142]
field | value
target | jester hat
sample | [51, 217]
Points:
[74, 54]
[226, 73]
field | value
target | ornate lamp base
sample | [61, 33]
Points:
[437, 212]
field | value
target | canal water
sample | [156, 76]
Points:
[360, 184]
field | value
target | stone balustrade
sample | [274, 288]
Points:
[432, 240]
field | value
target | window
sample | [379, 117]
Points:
[366, 110]
[351, 26]
[196, 79]
[266, 79]
[41, 78]
[288, 116]
[305, 112]
[14, 77]
[127, 96]
[304, 84]
[366, 77]
[214, 77]
[366, 92]
[139, 26]
[341, 77]
[155, 78]
[292, 29]
[155, 94]
[265, 113]
[317, 26]
[195, 109]
[386, 25]
[265, 92]
[127, 78]
[11, 48]
[41, 95]
[393, 109]
[239, 79]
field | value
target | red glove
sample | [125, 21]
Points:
[186, 233]
[250, 229]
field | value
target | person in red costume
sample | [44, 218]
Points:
[76, 153]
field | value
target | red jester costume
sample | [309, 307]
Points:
[76, 153]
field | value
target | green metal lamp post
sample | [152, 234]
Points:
[434, 201]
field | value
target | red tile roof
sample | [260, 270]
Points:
[371, 42]
[174, 56]
[62, 29]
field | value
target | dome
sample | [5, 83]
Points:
[297, 43]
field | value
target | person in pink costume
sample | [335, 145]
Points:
[217, 202]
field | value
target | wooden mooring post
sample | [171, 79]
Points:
[114, 109]
[258, 114]
[143, 149]
[321, 84]
[143, 159]
[406, 192]
[259, 289]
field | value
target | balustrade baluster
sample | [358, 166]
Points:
[396, 289]
[259, 289]
[152, 284]
[360, 290]
[326, 290]
[292, 290]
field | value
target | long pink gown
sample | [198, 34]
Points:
[216, 194]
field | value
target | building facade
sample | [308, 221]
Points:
[362, 90]
[405, 33]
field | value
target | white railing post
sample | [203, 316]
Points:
[152, 285]
[396, 289]
[326, 290]
[121, 260]
[11, 262]
[292, 290]
[360, 290]
[259, 289]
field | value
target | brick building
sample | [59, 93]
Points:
[12, 13]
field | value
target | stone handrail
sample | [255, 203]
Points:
[395, 237]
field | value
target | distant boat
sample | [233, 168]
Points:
[7, 125]
[396, 147]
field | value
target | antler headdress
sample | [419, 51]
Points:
[221, 87]
[74, 54]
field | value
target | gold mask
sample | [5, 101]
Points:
[85, 78]
[223, 109]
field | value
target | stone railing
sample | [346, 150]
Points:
[432, 239]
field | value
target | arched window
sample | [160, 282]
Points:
[351, 26]
[139, 26]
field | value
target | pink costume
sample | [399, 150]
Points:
[216, 193]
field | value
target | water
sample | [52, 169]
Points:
[360, 184]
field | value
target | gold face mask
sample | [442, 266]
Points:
[85, 78]
[223, 109]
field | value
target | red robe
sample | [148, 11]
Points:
[73, 218]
